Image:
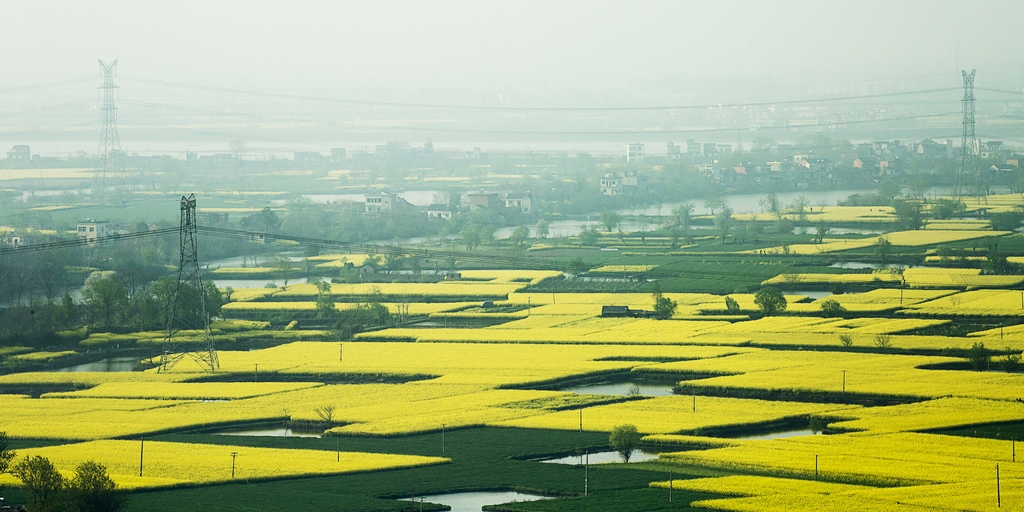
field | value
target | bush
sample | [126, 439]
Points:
[830, 308]
[731, 305]
[1011, 361]
[979, 357]
[92, 489]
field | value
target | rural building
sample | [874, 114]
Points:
[624, 312]
[12, 241]
[439, 211]
[384, 202]
[635, 152]
[673, 152]
[611, 185]
[20, 152]
[91, 230]
[486, 200]
[308, 157]
[521, 202]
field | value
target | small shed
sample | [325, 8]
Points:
[615, 311]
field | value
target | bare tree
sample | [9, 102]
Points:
[326, 413]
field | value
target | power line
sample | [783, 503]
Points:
[532, 109]
[33, 87]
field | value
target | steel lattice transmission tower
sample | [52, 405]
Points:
[969, 143]
[187, 310]
[110, 141]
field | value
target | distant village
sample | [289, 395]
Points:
[632, 173]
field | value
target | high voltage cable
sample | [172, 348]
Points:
[82, 242]
[531, 109]
[48, 85]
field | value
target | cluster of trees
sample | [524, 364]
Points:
[90, 489]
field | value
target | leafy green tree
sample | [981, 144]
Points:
[610, 219]
[624, 439]
[470, 237]
[44, 483]
[324, 299]
[284, 267]
[519, 236]
[979, 357]
[664, 308]
[683, 214]
[947, 208]
[724, 221]
[832, 308]
[543, 228]
[821, 230]
[92, 489]
[908, 214]
[883, 248]
[394, 261]
[888, 190]
[731, 305]
[105, 297]
[6, 453]
[576, 266]
[589, 236]
[1011, 361]
[1007, 221]
[264, 220]
[770, 300]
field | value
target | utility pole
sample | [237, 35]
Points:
[142, 449]
[233, 455]
[110, 142]
[188, 305]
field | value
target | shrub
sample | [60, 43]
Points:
[1011, 361]
[731, 305]
[979, 357]
[830, 308]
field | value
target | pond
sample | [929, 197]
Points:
[475, 501]
[268, 432]
[109, 364]
[256, 283]
[606, 457]
[623, 388]
[414, 197]
[779, 435]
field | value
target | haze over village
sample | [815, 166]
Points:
[526, 256]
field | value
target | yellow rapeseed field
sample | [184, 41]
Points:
[668, 414]
[176, 464]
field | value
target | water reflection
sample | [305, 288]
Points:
[607, 457]
[475, 501]
[109, 364]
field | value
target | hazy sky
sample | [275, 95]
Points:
[524, 45]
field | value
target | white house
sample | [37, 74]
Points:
[91, 230]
